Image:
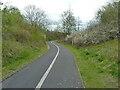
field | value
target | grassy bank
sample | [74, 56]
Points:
[20, 47]
[25, 57]
[22, 42]
[98, 64]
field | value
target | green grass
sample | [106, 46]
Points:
[98, 64]
[20, 46]
[22, 56]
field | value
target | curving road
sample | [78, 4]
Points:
[55, 69]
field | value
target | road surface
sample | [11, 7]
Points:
[55, 69]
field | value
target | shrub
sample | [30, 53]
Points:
[106, 28]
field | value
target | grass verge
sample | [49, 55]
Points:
[98, 64]
[27, 56]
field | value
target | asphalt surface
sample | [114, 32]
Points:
[63, 74]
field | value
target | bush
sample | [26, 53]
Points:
[100, 32]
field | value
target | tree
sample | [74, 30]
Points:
[68, 21]
[108, 13]
[11, 15]
[36, 16]
[78, 23]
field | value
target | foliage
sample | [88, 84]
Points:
[98, 32]
[11, 16]
[68, 21]
[55, 35]
[108, 13]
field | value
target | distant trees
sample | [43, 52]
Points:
[68, 21]
[55, 35]
[36, 16]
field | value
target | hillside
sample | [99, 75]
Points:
[96, 48]
[22, 42]
[98, 64]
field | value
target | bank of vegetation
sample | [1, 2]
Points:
[98, 64]
[22, 42]
[96, 48]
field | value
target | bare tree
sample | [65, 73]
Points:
[36, 16]
[78, 23]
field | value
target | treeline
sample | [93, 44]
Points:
[102, 29]
[55, 35]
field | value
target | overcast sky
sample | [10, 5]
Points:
[85, 9]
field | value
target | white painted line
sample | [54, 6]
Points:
[48, 70]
